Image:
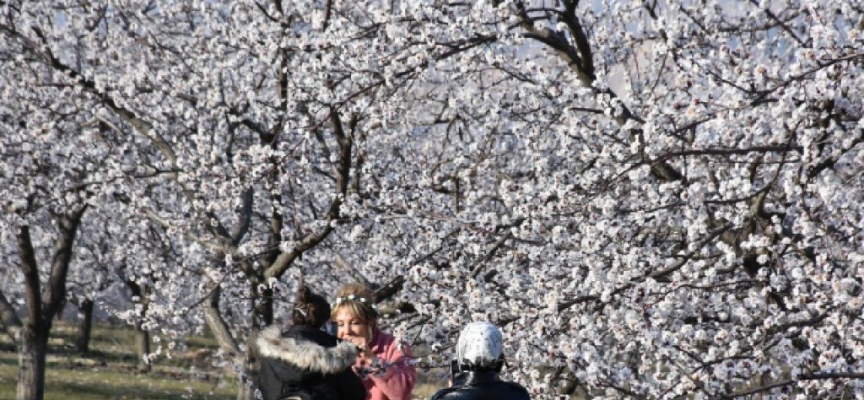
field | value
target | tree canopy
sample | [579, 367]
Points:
[652, 198]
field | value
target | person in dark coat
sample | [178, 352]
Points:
[480, 355]
[304, 361]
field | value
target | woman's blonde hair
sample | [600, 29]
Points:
[358, 300]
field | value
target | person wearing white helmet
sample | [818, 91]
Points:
[480, 357]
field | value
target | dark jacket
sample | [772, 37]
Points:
[307, 359]
[483, 385]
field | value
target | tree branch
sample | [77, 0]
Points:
[286, 258]
[217, 324]
[140, 125]
[245, 221]
[579, 37]
[31, 277]
[584, 70]
[217, 247]
[781, 23]
[340, 262]
[803, 377]
[477, 267]
[389, 289]
[730, 151]
[55, 292]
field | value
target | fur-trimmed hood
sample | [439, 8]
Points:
[305, 354]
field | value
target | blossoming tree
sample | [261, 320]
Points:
[654, 199]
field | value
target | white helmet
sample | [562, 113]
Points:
[480, 346]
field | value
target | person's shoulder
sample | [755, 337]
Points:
[443, 393]
[515, 387]
[310, 334]
[320, 337]
[385, 338]
[387, 342]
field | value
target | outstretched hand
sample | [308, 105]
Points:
[362, 345]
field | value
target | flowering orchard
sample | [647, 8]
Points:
[655, 199]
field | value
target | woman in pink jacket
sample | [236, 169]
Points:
[384, 364]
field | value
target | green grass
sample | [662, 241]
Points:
[426, 390]
[109, 371]
[102, 383]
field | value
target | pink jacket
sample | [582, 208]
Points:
[393, 376]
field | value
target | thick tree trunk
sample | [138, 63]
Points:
[85, 324]
[42, 304]
[142, 337]
[247, 392]
[142, 348]
[226, 341]
[31, 363]
[58, 316]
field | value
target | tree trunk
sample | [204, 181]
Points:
[262, 302]
[41, 307]
[247, 392]
[248, 381]
[249, 374]
[142, 337]
[228, 344]
[85, 323]
[58, 316]
[142, 348]
[31, 363]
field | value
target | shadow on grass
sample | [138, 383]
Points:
[113, 356]
[10, 361]
[97, 353]
[132, 392]
[73, 388]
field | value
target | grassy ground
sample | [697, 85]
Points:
[109, 371]
[426, 385]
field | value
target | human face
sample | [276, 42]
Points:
[349, 327]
